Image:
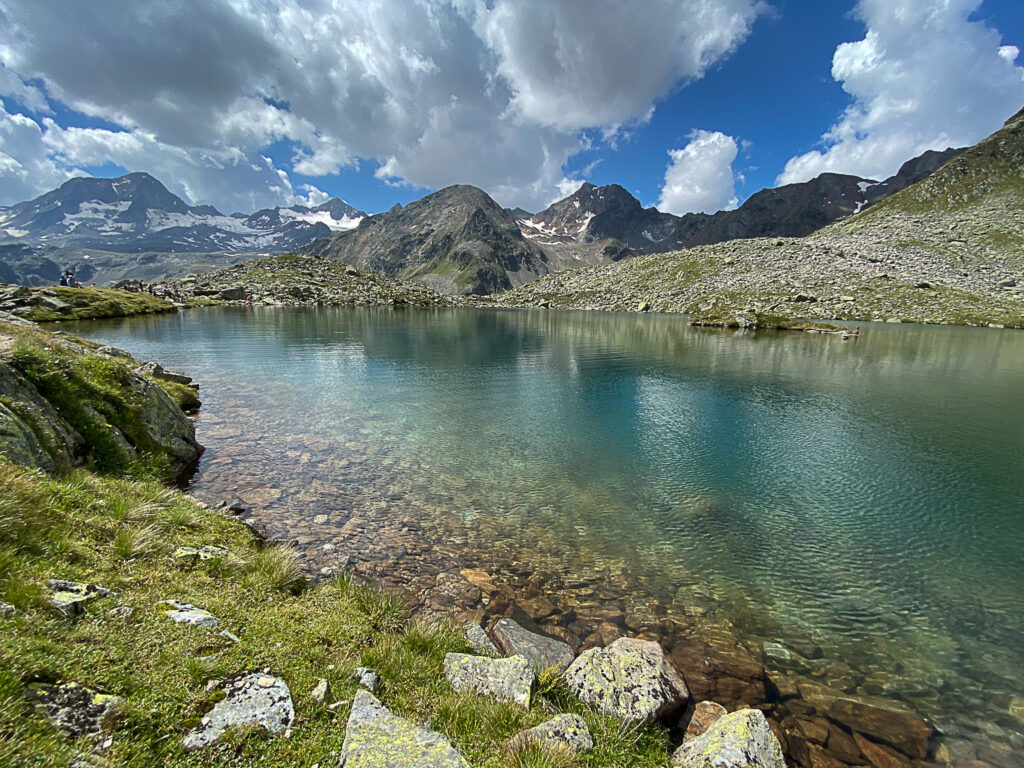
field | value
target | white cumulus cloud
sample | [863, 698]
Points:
[924, 77]
[432, 92]
[700, 178]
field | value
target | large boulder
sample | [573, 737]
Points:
[31, 431]
[376, 738]
[740, 739]
[505, 679]
[166, 424]
[631, 679]
[541, 651]
[251, 699]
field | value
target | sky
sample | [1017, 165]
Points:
[691, 105]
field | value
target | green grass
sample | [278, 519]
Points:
[88, 303]
[120, 533]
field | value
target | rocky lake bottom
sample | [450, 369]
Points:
[846, 513]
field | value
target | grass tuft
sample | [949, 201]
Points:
[277, 569]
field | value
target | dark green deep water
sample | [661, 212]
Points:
[867, 495]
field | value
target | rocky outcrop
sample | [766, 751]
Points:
[70, 597]
[251, 699]
[75, 710]
[631, 679]
[375, 737]
[741, 739]
[505, 679]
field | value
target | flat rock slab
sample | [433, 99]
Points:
[252, 699]
[74, 709]
[205, 552]
[881, 719]
[542, 652]
[70, 597]
[630, 679]
[481, 642]
[375, 738]
[508, 679]
[183, 613]
[740, 739]
[565, 731]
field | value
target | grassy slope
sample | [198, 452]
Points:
[120, 533]
[88, 303]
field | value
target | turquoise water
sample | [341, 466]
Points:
[861, 498]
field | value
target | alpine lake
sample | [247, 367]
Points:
[849, 513]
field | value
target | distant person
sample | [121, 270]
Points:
[64, 279]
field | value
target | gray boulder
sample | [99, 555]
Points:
[565, 731]
[542, 652]
[184, 613]
[740, 739]
[631, 679]
[375, 738]
[368, 679]
[481, 642]
[505, 679]
[252, 699]
[7, 610]
[166, 424]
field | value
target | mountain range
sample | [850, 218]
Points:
[457, 240]
[133, 226]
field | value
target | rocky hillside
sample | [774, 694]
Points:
[618, 226]
[132, 227]
[305, 280]
[948, 249]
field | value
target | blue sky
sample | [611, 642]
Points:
[689, 104]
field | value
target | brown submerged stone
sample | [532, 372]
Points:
[730, 679]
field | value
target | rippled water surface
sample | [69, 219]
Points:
[864, 498]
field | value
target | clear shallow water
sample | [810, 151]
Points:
[862, 497]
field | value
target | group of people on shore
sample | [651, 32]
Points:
[68, 279]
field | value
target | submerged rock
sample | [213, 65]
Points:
[631, 679]
[375, 738]
[70, 597]
[252, 699]
[76, 710]
[542, 652]
[564, 731]
[508, 679]
[184, 613]
[740, 739]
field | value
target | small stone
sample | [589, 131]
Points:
[205, 552]
[565, 731]
[70, 597]
[505, 679]
[184, 613]
[374, 737]
[321, 691]
[7, 610]
[321, 519]
[122, 612]
[740, 739]
[251, 699]
[367, 678]
[212, 685]
[705, 714]
[776, 651]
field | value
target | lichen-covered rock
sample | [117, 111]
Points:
[740, 739]
[31, 431]
[184, 613]
[564, 731]
[166, 424]
[205, 552]
[705, 714]
[320, 691]
[70, 597]
[631, 679]
[76, 710]
[376, 738]
[481, 642]
[7, 610]
[542, 652]
[251, 699]
[508, 679]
